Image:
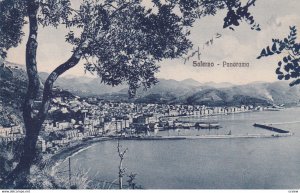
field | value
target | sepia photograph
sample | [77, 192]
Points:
[149, 95]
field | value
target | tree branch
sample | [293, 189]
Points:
[109, 4]
[70, 63]
[121, 153]
[119, 9]
[250, 3]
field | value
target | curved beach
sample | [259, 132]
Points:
[59, 157]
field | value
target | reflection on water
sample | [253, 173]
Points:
[258, 163]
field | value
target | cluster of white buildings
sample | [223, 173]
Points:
[189, 110]
[81, 119]
[11, 133]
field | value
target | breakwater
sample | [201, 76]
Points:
[204, 137]
[270, 128]
[282, 123]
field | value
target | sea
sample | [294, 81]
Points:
[231, 163]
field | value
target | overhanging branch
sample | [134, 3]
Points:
[70, 63]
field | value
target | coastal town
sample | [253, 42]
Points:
[74, 119]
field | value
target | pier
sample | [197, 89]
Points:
[270, 128]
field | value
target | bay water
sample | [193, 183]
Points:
[235, 163]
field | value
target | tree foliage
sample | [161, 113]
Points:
[237, 13]
[288, 68]
[122, 40]
[11, 23]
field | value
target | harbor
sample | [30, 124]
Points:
[207, 156]
[195, 127]
[200, 130]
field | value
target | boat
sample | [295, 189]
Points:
[207, 125]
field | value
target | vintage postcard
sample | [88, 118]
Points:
[149, 94]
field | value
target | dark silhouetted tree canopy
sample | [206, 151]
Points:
[12, 19]
[288, 68]
[122, 40]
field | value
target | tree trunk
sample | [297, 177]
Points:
[120, 176]
[121, 169]
[18, 178]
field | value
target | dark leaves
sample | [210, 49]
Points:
[295, 82]
[54, 12]
[288, 68]
[237, 13]
[280, 77]
[128, 49]
[263, 53]
[278, 71]
[12, 15]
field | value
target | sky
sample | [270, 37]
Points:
[241, 45]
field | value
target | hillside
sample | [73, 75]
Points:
[189, 91]
[13, 81]
[83, 86]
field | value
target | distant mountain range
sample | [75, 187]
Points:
[83, 86]
[173, 92]
[187, 91]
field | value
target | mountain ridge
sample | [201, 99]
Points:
[187, 91]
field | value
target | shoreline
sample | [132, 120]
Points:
[58, 158]
[55, 160]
